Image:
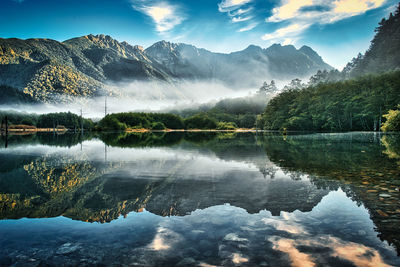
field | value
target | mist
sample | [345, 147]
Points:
[143, 96]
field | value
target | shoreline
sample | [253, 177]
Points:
[143, 130]
[31, 130]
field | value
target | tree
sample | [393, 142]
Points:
[226, 126]
[392, 123]
[158, 126]
[268, 88]
[352, 64]
[294, 84]
[200, 121]
[110, 123]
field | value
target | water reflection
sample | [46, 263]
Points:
[305, 199]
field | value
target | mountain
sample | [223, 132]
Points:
[114, 61]
[248, 67]
[46, 69]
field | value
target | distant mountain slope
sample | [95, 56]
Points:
[250, 66]
[47, 69]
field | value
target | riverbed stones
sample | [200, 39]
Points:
[67, 248]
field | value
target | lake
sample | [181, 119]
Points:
[200, 199]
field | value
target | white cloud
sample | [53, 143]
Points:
[239, 11]
[248, 27]
[356, 6]
[165, 15]
[302, 14]
[288, 10]
[229, 5]
[325, 11]
[292, 30]
[240, 19]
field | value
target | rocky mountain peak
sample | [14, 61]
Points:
[253, 48]
[311, 53]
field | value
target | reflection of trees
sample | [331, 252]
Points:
[268, 171]
[141, 139]
[67, 139]
[392, 146]
[355, 163]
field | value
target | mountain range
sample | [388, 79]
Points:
[83, 66]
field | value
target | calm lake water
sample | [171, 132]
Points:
[200, 199]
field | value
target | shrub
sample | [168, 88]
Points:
[170, 121]
[392, 123]
[111, 123]
[226, 126]
[200, 122]
[158, 126]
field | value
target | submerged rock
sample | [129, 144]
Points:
[67, 248]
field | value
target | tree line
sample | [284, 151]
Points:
[350, 105]
[49, 120]
[160, 121]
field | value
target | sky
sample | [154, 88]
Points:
[338, 30]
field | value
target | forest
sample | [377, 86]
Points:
[350, 105]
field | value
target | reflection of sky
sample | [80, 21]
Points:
[334, 232]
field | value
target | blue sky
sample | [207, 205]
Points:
[337, 29]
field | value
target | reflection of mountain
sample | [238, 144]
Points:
[43, 186]
[177, 173]
[94, 191]
[181, 196]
